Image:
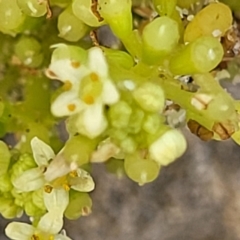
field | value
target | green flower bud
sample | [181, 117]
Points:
[37, 198]
[165, 7]
[119, 114]
[32, 210]
[9, 209]
[5, 183]
[150, 97]
[168, 147]
[141, 170]
[200, 56]
[4, 157]
[24, 163]
[118, 15]
[158, 41]
[80, 204]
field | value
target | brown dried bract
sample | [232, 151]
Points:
[94, 38]
[199, 130]
[224, 130]
[49, 11]
[94, 8]
[173, 106]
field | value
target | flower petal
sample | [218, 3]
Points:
[67, 104]
[30, 180]
[61, 237]
[97, 62]
[92, 121]
[57, 200]
[19, 231]
[42, 152]
[58, 168]
[67, 63]
[83, 182]
[51, 222]
[64, 71]
[110, 94]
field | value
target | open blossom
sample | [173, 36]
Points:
[88, 88]
[49, 225]
[54, 174]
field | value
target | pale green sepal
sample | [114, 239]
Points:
[83, 182]
[19, 231]
[30, 180]
[4, 158]
[51, 222]
[57, 200]
[42, 152]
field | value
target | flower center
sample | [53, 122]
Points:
[61, 182]
[42, 236]
[90, 89]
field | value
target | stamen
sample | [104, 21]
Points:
[51, 74]
[73, 174]
[86, 211]
[35, 237]
[88, 99]
[66, 187]
[48, 188]
[94, 77]
[75, 64]
[67, 85]
[71, 107]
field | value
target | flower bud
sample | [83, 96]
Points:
[168, 147]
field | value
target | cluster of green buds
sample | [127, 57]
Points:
[120, 107]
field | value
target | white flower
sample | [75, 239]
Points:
[49, 225]
[57, 174]
[168, 147]
[88, 89]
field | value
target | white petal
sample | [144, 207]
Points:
[19, 231]
[105, 151]
[82, 183]
[56, 200]
[64, 71]
[42, 152]
[51, 222]
[92, 121]
[61, 237]
[30, 180]
[97, 62]
[67, 104]
[57, 168]
[110, 94]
